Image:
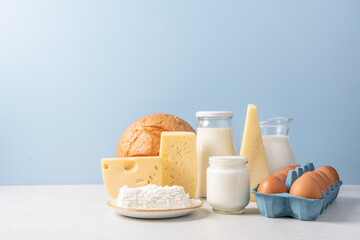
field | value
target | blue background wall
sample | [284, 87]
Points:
[75, 74]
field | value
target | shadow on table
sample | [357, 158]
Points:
[196, 215]
[204, 212]
[341, 211]
[251, 211]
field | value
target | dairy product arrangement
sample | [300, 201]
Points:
[162, 165]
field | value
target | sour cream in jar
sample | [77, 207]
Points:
[228, 184]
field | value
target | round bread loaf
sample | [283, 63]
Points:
[142, 138]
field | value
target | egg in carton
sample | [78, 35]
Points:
[287, 205]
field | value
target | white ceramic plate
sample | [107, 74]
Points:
[159, 213]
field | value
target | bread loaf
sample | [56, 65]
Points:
[142, 138]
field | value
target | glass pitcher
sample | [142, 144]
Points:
[278, 151]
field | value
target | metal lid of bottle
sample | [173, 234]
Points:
[214, 114]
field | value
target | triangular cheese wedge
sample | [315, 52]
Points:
[253, 148]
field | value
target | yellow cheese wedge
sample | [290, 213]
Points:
[130, 171]
[253, 148]
[178, 154]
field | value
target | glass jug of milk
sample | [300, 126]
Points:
[278, 151]
[214, 138]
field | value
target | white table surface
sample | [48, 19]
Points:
[80, 212]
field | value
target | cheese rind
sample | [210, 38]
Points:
[253, 148]
[130, 171]
[178, 154]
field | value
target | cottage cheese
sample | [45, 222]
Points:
[153, 197]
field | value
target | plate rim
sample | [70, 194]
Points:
[157, 210]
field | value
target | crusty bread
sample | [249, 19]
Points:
[142, 138]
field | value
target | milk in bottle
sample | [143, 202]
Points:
[214, 138]
[278, 151]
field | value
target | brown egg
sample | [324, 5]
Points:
[336, 175]
[319, 180]
[306, 187]
[325, 178]
[280, 176]
[272, 185]
[329, 173]
[287, 169]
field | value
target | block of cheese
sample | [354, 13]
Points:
[253, 148]
[130, 171]
[178, 154]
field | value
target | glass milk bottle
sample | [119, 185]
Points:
[278, 151]
[214, 138]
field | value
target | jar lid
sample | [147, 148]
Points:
[214, 114]
[239, 159]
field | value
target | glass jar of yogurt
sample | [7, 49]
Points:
[228, 184]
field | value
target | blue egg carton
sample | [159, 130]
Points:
[286, 205]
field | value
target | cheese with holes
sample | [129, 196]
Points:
[178, 154]
[130, 171]
[253, 148]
